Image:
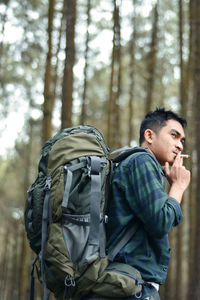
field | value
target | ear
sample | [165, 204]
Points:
[148, 136]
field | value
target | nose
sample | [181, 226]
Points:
[179, 145]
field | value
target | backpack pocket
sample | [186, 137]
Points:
[33, 212]
[108, 279]
[119, 280]
[56, 254]
[76, 229]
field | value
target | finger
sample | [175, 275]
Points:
[181, 159]
[167, 169]
[178, 160]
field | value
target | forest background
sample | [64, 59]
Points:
[105, 63]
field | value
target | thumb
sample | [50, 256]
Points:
[167, 169]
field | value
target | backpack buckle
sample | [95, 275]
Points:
[48, 183]
[105, 219]
[94, 165]
[69, 281]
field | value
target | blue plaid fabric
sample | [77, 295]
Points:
[138, 195]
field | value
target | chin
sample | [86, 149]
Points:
[171, 161]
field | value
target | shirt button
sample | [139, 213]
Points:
[165, 269]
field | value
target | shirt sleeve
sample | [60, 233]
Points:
[147, 197]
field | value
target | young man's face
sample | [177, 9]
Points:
[168, 142]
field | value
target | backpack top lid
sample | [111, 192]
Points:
[82, 140]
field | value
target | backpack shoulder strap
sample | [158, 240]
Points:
[128, 235]
[45, 219]
[127, 152]
[132, 230]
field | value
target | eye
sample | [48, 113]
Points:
[173, 134]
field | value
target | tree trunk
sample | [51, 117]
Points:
[68, 78]
[132, 77]
[170, 289]
[48, 80]
[5, 259]
[182, 239]
[151, 61]
[60, 33]
[3, 23]
[24, 272]
[191, 146]
[197, 148]
[83, 110]
[113, 125]
[13, 286]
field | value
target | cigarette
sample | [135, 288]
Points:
[185, 155]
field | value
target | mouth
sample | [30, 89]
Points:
[175, 153]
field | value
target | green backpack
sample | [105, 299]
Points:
[65, 219]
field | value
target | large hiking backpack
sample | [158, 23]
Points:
[65, 217]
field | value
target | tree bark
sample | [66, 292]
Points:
[60, 33]
[83, 110]
[113, 123]
[132, 77]
[48, 80]
[170, 288]
[24, 272]
[3, 23]
[68, 78]
[197, 148]
[182, 239]
[191, 146]
[151, 61]
[5, 259]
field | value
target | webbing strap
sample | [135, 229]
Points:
[156, 296]
[77, 221]
[95, 200]
[45, 217]
[67, 187]
[102, 239]
[32, 290]
[69, 177]
[123, 241]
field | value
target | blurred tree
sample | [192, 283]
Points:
[24, 272]
[85, 85]
[113, 126]
[132, 75]
[191, 145]
[151, 60]
[196, 271]
[68, 78]
[49, 95]
[4, 262]
[3, 23]
[182, 232]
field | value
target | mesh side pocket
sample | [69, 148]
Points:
[76, 230]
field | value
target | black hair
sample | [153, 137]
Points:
[157, 119]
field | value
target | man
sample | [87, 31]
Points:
[139, 196]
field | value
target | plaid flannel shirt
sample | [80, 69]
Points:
[138, 195]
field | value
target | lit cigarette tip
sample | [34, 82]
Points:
[185, 155]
